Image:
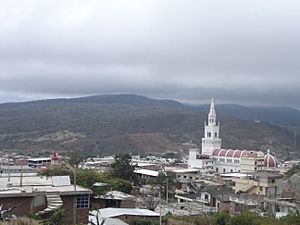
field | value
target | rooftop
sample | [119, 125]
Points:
[115, 195]
[186, 171]
[40, 159]
[31, 185]
[108, 221]
[151, 173]
[114, 212]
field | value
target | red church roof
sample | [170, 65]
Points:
[229, 153]
[55, 156]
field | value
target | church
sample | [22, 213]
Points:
[212, 158]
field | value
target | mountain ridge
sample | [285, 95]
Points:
[132, 123]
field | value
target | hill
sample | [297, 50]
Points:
[130, 123]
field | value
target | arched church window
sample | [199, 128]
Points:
[224, 170]
[209, 134]
[216, 134]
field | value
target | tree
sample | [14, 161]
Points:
[151, 200]
[88, 177]
[166, 181]
[57, 218]
[221, 218]
[122, 168]
[291, 219]
[75, 159]
[246, 218]
[56, 170]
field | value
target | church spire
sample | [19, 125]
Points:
[211, 140]
[212, 110]
[212, 117]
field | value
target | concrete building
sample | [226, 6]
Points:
[217, 197]
[39, 162]
[252, 161]
[115, 199]
[211, 140]
[43, 195]
[261, 183]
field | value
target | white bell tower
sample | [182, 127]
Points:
[211, 140]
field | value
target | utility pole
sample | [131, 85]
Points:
[21, 177]
[167, 191]
[160, 222]
[8, 168]
[75, 196]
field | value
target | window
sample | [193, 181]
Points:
[224, 170]
[83, 201]
[216, 134]
[208, 134]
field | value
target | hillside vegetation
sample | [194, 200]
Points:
[130, 123]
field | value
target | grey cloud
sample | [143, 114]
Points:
[240, 51]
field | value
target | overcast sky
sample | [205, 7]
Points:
[245, 52]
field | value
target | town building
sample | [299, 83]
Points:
[265, 184]
[39, 162]
[43, 195]
[115, 199]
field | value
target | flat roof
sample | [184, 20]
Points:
[142, 164]
[108, 221]
[152, 173]
[39, 159]
[31, 185]
[186, 170]
[114, 212]
[118, 195]
[235, 175]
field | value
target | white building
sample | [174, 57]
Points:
[215, 159]
[211, 140]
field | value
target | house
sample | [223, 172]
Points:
[265, 184]
[39, 162]
[114, 199]
[42, 196]
[128, 215]
[216, 197]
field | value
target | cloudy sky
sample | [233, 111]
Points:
[245, 52]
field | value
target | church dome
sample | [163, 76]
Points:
[270, 160]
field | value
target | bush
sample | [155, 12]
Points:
[145, 222]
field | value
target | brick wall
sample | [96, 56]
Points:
[22, 205]
[82, 215]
